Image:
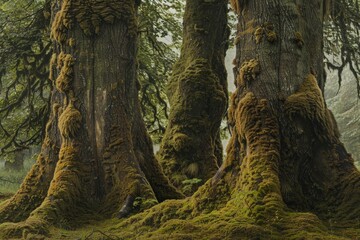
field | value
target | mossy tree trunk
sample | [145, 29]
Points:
[280, 61]
[97, 155]
[191, 146]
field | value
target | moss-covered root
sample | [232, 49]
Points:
[62, 203]
[29, 229]
[64, 196]
[144, 153]
[258, 186]
[130, 194]
[243, 200]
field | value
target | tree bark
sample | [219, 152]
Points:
[97, 155]
[280, 61]
[191, 146]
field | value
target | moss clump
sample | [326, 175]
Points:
[259, 32]
[71, 42]
[182, 141]
[52, 66]
[267, 30]
[309, 103]
[70, 122]
[90, 15]
[271, 36]
[65, 63]
[249, 70]
[298, 39]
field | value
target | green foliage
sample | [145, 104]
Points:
[160, 37]
[24, 89]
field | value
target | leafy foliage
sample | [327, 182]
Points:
[24, 89]
[160, 37]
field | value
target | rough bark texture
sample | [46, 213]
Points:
[97, 155]
[191, 147]
[280, 60]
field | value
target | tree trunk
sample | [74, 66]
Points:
[280, 61]
[191, 146]
[97, 155]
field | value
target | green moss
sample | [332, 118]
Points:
[65, 63]
[249, 70]
[182, 142]
[90, 15]
[298, 39]
[271, 36]
[309, 103]
[259, 32]
[190, 137]
[267, 30]
[71, 42]
[70, 122]
[52, 65]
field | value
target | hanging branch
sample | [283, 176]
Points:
[24, 85]
[342, 39]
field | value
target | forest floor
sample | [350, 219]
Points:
[113, 229]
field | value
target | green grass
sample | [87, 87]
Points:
[10, 180]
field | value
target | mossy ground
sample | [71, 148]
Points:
[218, 224]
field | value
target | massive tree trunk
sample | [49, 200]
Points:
[191, 146]
[286, 175]
[279, 66]
[97, 155]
